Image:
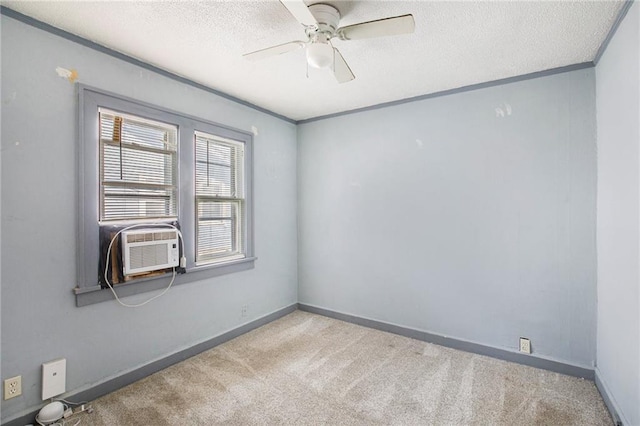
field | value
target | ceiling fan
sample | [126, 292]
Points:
[320, 22]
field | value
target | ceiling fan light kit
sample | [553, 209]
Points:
[320, 54]
[320, 22]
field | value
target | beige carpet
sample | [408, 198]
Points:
[307, 369]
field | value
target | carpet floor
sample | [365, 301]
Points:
[306, 369]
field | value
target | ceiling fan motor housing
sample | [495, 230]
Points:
[327, 17]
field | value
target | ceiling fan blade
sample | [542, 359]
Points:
[300, 11]
[383, 27]
[274, 50]
[340, 68]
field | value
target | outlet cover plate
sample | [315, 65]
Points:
[525, 345]
[12, 387]
[54, 378]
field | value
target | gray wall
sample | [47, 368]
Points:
[470, 215]
[39, 319]
[618, 118]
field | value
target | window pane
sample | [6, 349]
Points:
[137, 130]
[219, 167]
[218, 229]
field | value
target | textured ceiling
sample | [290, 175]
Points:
[456, 44]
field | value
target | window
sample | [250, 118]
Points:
[140, 163]
[219, 198]
[138, 168]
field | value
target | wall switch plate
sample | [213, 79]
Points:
[244, 310]
[54, 378]
[12, 387]
[525, 345]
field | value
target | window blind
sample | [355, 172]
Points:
[219, 198]
[138, 168]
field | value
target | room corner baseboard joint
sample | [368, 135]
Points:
[609, 401]
[503, 354]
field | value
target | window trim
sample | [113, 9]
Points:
[87, 289]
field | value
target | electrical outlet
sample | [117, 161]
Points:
[12, 387]
[54, 380]
[525, 345]
[244, 310]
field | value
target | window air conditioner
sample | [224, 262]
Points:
[149, 249]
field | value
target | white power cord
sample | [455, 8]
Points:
[69, 402]
[106, 267]
[59, 423]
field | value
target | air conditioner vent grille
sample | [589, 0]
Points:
[150, 255]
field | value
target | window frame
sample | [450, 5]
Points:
[87, 289]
